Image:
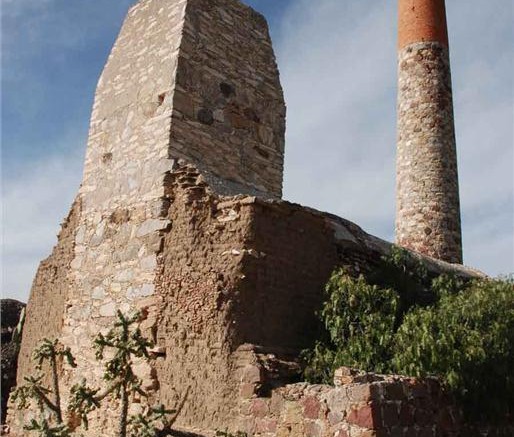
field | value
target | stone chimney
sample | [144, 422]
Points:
[427, 211]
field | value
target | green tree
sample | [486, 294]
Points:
[359, 321]
[399, 319]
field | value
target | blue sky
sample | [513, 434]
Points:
[338, 69]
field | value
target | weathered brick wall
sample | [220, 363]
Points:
[240, 281]
[199, 274]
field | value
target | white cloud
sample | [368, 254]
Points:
[35, 202]
[338, 67]
[340, 132]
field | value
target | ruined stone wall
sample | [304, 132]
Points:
[240, 280]
[365, 406]
[188, 109]
[213, 57]
[49, 294]
[123, 212]
[199, 275]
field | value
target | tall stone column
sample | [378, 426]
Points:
[428, 210]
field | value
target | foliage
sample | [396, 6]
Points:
[152, 423]
[46, 430]
[399, 319]
[126, 343]
[468, 340]
[359, 319]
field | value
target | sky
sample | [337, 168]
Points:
[337, 60]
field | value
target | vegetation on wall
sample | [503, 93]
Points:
[399, 319]
[124, 343]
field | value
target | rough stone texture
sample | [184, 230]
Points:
[189, 79]
[229, 111]
[358, 405]
[239, 281]
[47, 302]
[189, 110]
[428, 209]
[368, 405]
[10, 311]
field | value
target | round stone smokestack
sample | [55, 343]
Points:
[427, 210]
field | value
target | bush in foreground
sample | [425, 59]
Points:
[400, 320]
[468, 340]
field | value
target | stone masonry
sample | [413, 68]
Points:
[179, 217]
[428, 209]
[238, 280]
[186, 79]
[358, 405]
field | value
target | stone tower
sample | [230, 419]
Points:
[188, 82]
[428, 210]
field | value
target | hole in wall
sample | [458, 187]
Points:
[227, 90]
[205, 116]
[107, 157]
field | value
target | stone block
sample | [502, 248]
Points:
[108, 310]
[365, 416]
[311, 407]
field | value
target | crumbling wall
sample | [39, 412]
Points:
[362, 406]
[50, 289]
[240, 279]
[230, 277]
[175, 64]
[199, 275]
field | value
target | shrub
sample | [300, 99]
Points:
[468, 340]
[399, 319]
[360, 316]
[125, 343]
[359, 320]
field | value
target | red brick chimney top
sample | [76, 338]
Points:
[421, 21]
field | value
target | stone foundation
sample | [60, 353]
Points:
[362, 406]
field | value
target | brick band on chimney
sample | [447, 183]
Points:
[428, 207]
[422, 21]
